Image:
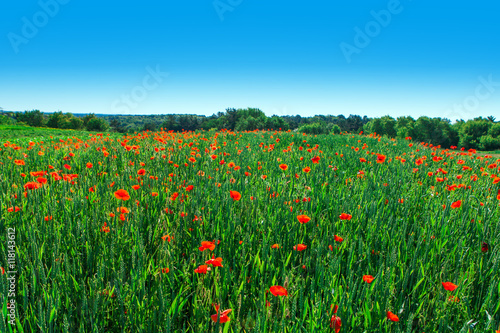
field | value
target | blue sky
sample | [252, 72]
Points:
[370, 58]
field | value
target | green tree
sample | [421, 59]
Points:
[487, 142]
[5, 120]
[55, 120]
[374, 126]
[389, 126]
[404, 126]
[149, 126]
[231, 118]
[494, 131]
[96, 124]
[276, 123]
[170, 124]
[314, 128]
[116, 125]
[472, 131]
[335, 129]
[32, 118]
[76, 123]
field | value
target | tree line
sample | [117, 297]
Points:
[248, 119]
[61, 120]
[479, 133]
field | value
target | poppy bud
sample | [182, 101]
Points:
[484, 247]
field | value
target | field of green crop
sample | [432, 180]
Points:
[19, 132]
[246, 232]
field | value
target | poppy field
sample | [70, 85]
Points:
[263, 231]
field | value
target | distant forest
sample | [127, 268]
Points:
[479, 133]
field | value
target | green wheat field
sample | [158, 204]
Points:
[262, 231]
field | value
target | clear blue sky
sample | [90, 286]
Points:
[420, 57]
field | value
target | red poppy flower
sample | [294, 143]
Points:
[189, 188]
[456, 204]
[338, 239]
[381, 158]
[303, 218]
[216, 262]
[136, 187]
[368, 278]
[223, 316]
[300, 247]
[141, 172]
[89, 165]
[66, 166]
[315, 159]
[275, 246]
[122, 195]
[123, 210]
[278, 291]
[391, 316]
[235, 195]
[31, 185]
[336, 322]
[202, 269]
[206, 245]
[41, 180]
[283, 167]
[449, 286]
[306, 169]
[345, 216]
[105, 228]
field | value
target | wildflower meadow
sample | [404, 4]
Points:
[261, 231]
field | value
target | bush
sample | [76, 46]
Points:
[335, 129]
[382, 126]
[495, 131]
[5, 120]
[64, 121]
[32, 118]
[97, 124]
[314, 128]
[472, 131]
[487, 142]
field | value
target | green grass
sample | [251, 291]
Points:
[15, 132]
[493, 152]
[75, 277]
[21, 133]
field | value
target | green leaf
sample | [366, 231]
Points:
[52, 315]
